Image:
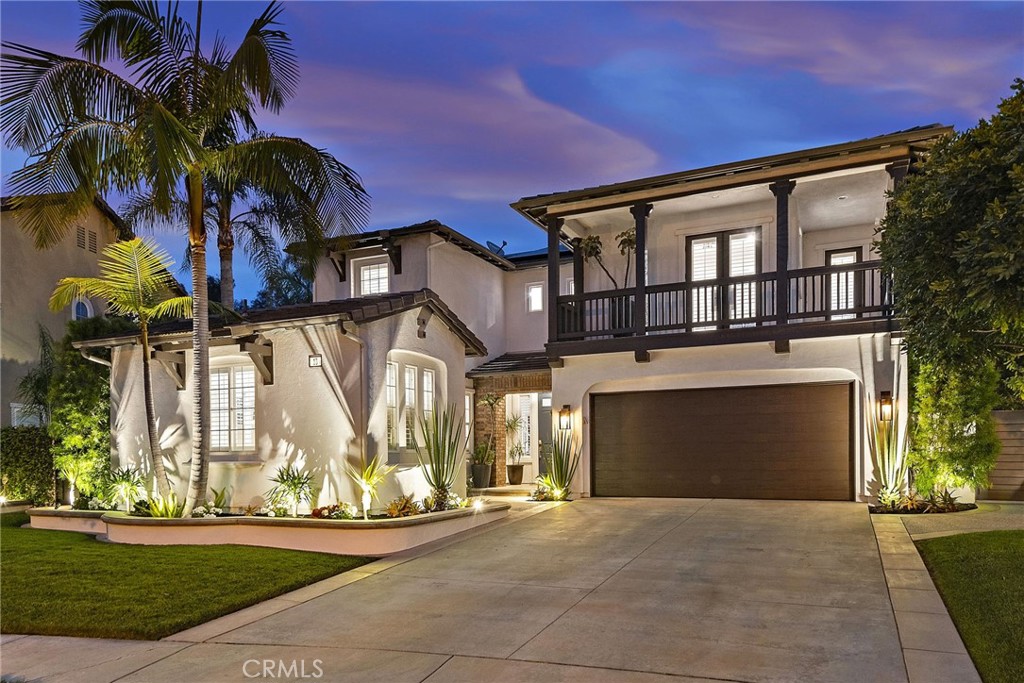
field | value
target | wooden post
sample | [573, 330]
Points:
[554, 227]
[782, 189]
[640, 213]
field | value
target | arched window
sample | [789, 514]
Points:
[82, 309]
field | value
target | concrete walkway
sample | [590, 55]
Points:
[597, 590]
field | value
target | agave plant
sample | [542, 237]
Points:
[562, 465]
[124, 485]
[442, 453]
[293, 486]
[368, 479]
[166, 506]
[889, 449]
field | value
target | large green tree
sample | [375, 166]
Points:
[90, 131]
[953, 242]
[136, 282]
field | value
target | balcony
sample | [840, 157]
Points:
[822, 301]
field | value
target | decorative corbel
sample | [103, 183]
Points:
[422, 318]
[261, 352]
[173, 363]
[338, 259]
[393, 250]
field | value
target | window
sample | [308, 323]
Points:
[81, 310]
[712, 258]
[233, 409]
[92, 241]
[428, 393]
[570, 286]
[392, 399]
[25, 416]
[410, 406]
[534, 297]
[80, 237]
[373, 279]
[411, 392]
[842, 287]
[467, 416]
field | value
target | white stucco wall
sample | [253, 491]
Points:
[315, 418]
[472, 289]
[867, 360]
[526, 331]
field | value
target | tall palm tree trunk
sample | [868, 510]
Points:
[199, 470]
[226, 246]
[156, 453]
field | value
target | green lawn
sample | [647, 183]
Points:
[69, 584]
[981, 579]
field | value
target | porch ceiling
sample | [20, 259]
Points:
[824, 202]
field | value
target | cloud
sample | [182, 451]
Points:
[946, 56]
[484, 137]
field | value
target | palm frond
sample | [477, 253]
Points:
[155, 46]
[71, 288]
[43, 91]
[264, 63]
[178, 307]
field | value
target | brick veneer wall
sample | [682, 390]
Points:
[509, 383]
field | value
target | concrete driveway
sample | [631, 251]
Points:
[597, 590]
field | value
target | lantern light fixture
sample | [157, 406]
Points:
[565, 418]
[885, 406]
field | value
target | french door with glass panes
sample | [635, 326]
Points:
[721, 269]
[844, 288]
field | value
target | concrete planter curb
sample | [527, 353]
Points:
[375, 538]
[82, 521]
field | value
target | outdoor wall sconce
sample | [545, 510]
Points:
[565, 418]
[885, 407]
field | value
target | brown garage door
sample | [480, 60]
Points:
[783, 442]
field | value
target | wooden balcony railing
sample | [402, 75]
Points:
[823, 294]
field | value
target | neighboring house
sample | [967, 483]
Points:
[27, 279]
[745, 356]
[312, 385]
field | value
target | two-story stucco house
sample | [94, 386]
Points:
[744, 356]
[27, 279]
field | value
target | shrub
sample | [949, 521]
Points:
[954, 439]
[403, 506]
[26, 465]
[79, 400]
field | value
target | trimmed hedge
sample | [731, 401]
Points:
[26, 464]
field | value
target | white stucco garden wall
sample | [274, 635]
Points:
[868, 360]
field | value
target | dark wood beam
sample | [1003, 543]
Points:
[340, 262]
[897, 170]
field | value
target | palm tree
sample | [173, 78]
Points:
[89, 130]
[135, 281]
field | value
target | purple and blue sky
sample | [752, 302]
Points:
[454, 110]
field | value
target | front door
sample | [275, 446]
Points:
[544, 432]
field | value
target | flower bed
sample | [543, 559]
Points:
[376, 537]
[66, 519]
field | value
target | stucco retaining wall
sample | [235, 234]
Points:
[82, 521]
[376, 538]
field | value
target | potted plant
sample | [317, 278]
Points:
[483, 454]
[514, 466]
[483, 459]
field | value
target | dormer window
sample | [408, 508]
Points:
[372, 276]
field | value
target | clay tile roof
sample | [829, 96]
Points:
[530, 361]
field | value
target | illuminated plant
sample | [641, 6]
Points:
[368, 479]
[293, 486]
[442, 453]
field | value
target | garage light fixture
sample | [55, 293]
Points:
[565, 418]
[885, 407]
